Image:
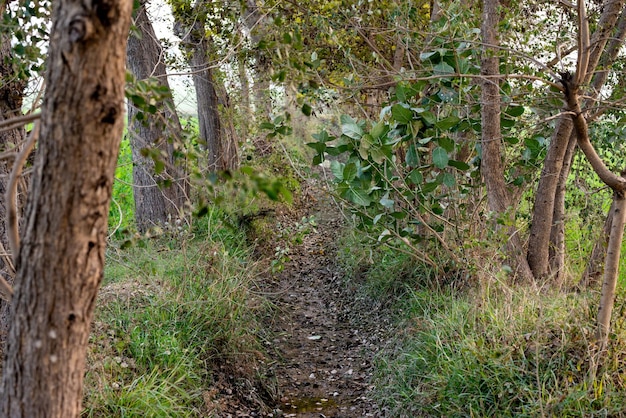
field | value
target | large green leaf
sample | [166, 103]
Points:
[349, 172]
[379, 130]
[447, 123]
[350, 128]
[354, 194]
[443, 69]
[440, 157]
[401, 113]
[412, 159]
[337, 169]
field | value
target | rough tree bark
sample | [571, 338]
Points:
[491, 165]
[60, 262]
[158, 197]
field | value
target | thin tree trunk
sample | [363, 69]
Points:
[557, 233]
[491, 164]
[595, 264]
[611, 270]
[206, 97]
[159, 197]
[60, 263]
[543, 212]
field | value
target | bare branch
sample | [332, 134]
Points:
[11, 194]
[16, 122]
[583, 43]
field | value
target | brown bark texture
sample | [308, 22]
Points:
[491, 164]
[159, 198]
[611, 270]
[61, 259]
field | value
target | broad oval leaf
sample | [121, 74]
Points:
[401, 114]
[350, 128]
[440, 157]
[349, 172]
[337, 169]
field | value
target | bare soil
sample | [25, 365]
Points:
[324, 333]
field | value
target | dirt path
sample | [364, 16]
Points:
[325, 336]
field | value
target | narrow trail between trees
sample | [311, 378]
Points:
[325, 334]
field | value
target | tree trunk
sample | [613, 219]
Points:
[611, 270]
[542, 221]
[60, 263]
[557, 233]
[491, 164]
[206, 97]
[595, 265]
[158, 197]
[540, 229]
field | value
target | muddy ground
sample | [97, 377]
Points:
[324, 333]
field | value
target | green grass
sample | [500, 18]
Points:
[486, 348]
[172, 311]
[498, 351]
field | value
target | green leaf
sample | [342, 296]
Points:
[379, 130]
[447, 123]
[400, 93]
[432, 55]
[267, 126]
[377, 155]
[386, 202]
[446, 143]
[349, 172]
[322, 136]
[459, 165]
[412, 159]
[320, 147]
[440, 157]
[401, 113]
[448, 179]
[443, 69]
[350, 128]
[428, 118]
[337, 169]
[366, 143]
[357, 196]
[416, 177]
[307, 109]
[515, 111]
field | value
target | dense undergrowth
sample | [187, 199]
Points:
[177, 324]
[174, 312]
[487, 349]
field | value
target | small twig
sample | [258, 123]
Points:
[11, 193]
[16, 122]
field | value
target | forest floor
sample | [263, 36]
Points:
[324, 333]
